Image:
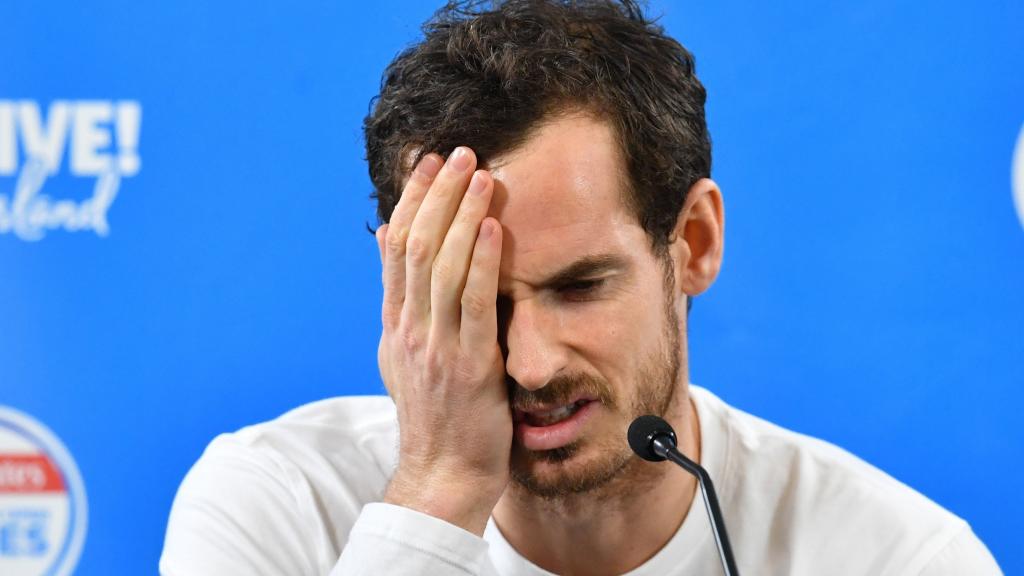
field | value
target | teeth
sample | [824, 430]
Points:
[552, 416]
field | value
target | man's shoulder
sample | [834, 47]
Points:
[352, 417]
[285, 492]
[780, 460]
[348, 436]
[822, 500]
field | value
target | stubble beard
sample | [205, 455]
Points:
[610, 460]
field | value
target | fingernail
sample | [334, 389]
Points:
[486, 230]
[429, 166]
[459, 160]
[478, 184]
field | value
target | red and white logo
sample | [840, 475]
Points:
[42, 500]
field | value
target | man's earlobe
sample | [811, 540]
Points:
[698, 241]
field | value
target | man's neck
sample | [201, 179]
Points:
[615, 528]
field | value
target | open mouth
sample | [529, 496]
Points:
[553, 426]
[553, 416]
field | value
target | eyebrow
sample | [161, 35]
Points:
[586, 267]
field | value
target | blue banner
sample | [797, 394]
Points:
[183, 244]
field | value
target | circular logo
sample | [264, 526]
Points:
[1018, 176]
[42, 500]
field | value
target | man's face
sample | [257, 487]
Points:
[589, 320]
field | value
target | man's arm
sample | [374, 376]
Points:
[389, 539]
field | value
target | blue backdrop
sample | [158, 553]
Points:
[183, 245]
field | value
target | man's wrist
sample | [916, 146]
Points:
[467, 505]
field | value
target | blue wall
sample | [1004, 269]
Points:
[871, 294]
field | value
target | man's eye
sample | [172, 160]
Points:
[580, 287]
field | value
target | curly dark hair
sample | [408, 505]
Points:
[487, 74]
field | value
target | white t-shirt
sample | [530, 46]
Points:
[291, 495]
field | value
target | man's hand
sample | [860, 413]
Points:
[439, 355]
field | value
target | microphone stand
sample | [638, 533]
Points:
[665, 446]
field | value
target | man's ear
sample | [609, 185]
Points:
[697, 243]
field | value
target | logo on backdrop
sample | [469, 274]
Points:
[1018, 175]
[42, 500]
[98, 140]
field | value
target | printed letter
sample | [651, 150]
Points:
[44, 141]
[89, 138]
[8, 145]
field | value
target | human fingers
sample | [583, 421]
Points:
[429, 228]
[478, 332]
[381, 234]
[398, 232]
[453, 259]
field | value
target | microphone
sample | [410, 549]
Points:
[654, 440]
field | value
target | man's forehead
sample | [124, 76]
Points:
[560, 198]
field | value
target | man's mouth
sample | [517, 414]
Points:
[550, 426]
[548, 417]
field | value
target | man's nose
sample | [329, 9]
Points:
[534, 353]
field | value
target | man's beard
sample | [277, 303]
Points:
[654, 388]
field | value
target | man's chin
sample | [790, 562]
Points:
[562, 472]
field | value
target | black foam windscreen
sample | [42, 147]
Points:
[642, 433]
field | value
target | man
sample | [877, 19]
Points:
[543, 172]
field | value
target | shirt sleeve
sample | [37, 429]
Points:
[389, 539]
[965, 554]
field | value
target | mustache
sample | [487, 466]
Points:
[558, 391]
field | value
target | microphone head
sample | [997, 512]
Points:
[642, 433]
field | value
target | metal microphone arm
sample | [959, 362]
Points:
[665, 446]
